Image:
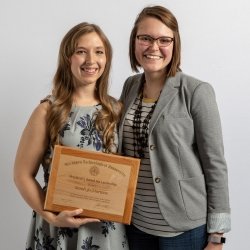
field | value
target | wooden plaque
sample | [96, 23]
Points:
[103, 185]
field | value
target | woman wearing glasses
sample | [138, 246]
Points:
[171, 122]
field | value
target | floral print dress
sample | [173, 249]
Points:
[79, 132]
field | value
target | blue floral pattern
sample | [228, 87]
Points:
[107, 225]
[44, 242]
[89, 134]
[87, 244]
[84, 124]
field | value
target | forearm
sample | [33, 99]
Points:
[33, 194]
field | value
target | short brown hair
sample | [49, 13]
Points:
[166, 17]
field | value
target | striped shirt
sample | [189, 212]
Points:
[147, 215]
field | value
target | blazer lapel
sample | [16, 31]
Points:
[134, 89]
[169, 91]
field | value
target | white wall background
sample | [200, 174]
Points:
[215, 48]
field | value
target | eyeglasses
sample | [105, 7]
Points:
[162, 41]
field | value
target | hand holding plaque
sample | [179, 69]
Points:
[102, 184]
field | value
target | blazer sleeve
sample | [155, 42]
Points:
[209, 141]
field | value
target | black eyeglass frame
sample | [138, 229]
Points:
[152, 40]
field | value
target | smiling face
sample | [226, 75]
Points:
[89, 59]
[152, 58]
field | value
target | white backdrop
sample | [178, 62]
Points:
[215, 48]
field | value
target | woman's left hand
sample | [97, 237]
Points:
[213, 246]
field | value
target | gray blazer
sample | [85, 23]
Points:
[186, 153]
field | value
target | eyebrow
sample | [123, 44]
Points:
[154, 37]
[98, 47]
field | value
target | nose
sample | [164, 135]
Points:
[90, 58]
[154, 45]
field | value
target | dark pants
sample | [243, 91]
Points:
[195, 239]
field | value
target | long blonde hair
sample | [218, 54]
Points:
[64, 87]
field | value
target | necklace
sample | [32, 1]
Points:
[140, 128]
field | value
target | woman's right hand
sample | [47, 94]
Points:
[68, 218]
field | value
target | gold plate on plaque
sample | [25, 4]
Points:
[103, 185]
